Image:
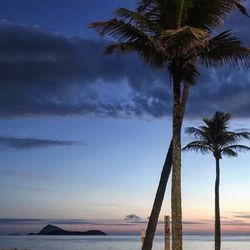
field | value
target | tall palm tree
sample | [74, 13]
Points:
[215, 137]
[173, 35]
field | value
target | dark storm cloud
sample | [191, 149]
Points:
[31, 143]
[43, 73]
[224, 90]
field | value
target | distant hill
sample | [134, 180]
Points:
[54, 230]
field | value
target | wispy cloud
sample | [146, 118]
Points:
[116, 222]
[10, 221]
[243, 215]
[235, 223]
[100, 222]
[13, 221]
[195, 222]
[125, 222]
[31, 143]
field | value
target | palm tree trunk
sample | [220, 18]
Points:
[154, 216]
[217, 207]
[176, 208]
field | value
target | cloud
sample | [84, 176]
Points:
[132, 217]
[31, 143]
[243, 215]
[224, 90]
[235, 223]
[193, 222]
[43, 73]
[9, 221]
[14, 221]
[246, 216]
[27, 221]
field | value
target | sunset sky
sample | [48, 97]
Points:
[83, 136]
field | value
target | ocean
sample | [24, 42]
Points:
[115, 242]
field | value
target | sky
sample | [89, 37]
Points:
[83, 136]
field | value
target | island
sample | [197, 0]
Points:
[54, 230]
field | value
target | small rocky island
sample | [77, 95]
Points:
[54, 230]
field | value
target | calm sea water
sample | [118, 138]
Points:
[115, 242]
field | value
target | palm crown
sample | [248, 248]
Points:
[214, 137]
[173, 33]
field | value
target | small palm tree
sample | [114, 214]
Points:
[214, 137]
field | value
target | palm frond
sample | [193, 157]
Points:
[131, 38]
[119, 48]
[229, 152]
[170, 14]
[234, 149]
[140, 20]
[120, 30]
[142, 5]
[196, 132]
[228, 138]
[222, 117]
[241, 135]
[215, 126]
[145, 51]
[202, 14]
[237, 148]
[129, 14]
[241, 8]
[198, 146]
[225, 49]
[211, 14]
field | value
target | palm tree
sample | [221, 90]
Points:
[214, 137]
[174, 35]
